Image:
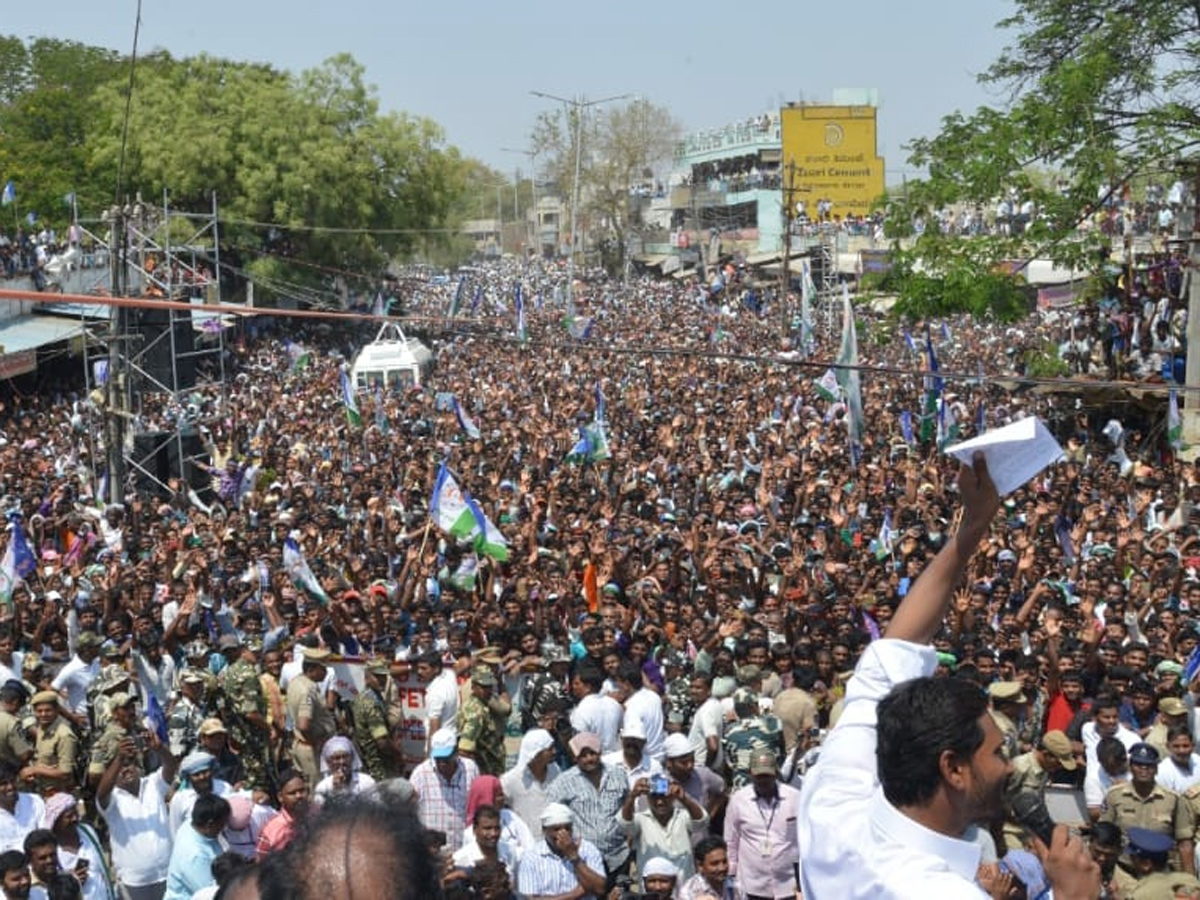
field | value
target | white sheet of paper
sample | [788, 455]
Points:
[1014, 453]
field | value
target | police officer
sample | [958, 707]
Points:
[55, 745]
[312, 721]
[1008, 697]
[1142, 803]
[1149, 852]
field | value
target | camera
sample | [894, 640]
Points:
[660, 785]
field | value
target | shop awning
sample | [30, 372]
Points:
[30, 332]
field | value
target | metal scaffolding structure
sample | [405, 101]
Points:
[157, 362]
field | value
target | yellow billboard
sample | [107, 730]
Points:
[830, 154]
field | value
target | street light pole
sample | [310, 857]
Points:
[579, 105]
[536, 243]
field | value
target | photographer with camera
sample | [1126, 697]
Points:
[665, 829]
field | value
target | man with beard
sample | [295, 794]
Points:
[760, 831]
[14, 875]
[916, 760]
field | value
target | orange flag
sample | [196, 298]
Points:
[590, 592]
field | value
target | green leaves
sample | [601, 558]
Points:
[1097, 93]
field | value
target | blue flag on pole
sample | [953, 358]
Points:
[1191, 667]
[156, 718]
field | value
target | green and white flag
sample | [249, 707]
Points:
[827, 385]
[488, 539]
[947, 425]
[848, 377]
[449, 507]
[350, 401]
[1174, 422]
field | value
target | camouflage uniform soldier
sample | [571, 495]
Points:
[372, 734]
[680, 707]
[197, 653]
[183, 724]
[112, 679]
[121, 723]
[546, 689]
[245, 712]
[754, 731]
[480, 730]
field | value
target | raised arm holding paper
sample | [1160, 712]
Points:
[915, 761]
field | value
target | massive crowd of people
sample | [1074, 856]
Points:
[632, 700]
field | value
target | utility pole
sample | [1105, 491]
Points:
[578, 105]
[789, 188]
[536, 242]
[117, 375]
[1191, 401]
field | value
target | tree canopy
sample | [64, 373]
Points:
[1097, 93]
[304, 166]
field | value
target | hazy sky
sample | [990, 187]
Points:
[471, 65]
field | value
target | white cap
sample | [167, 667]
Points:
[556, 814]
[677, 745]
[633, 728]
[659, 866]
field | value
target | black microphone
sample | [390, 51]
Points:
[1030, 810]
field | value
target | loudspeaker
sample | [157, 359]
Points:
[157, 458]
[151, 349]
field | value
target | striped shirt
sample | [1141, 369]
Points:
[597, 812]
[543, 873]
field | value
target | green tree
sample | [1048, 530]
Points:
[46, 116]
[1100, 93]
[308, 158]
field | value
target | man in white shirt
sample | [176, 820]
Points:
[76, 676]
[914, 761]
[708, 723]
[1106, 722]
[441, 694]
[20, 813]
[1180, 769]
[643, 706]
[135, 809]
[597, 713]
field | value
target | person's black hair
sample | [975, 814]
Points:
[39, 837]
[591, 675]
[8, 772]
[228, 864]
[488, 873]
[348, 850]
[1176, 730]
[431, 658]
[209, 810]
[592, 634]
[629, 672]
[706, 846]
[487, 810]
[64, 886]
[1105, 701]
[1106, 834]
[1111, 752]
[1141, 688]
[10, 861]
[10, 693]
[918, 721]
